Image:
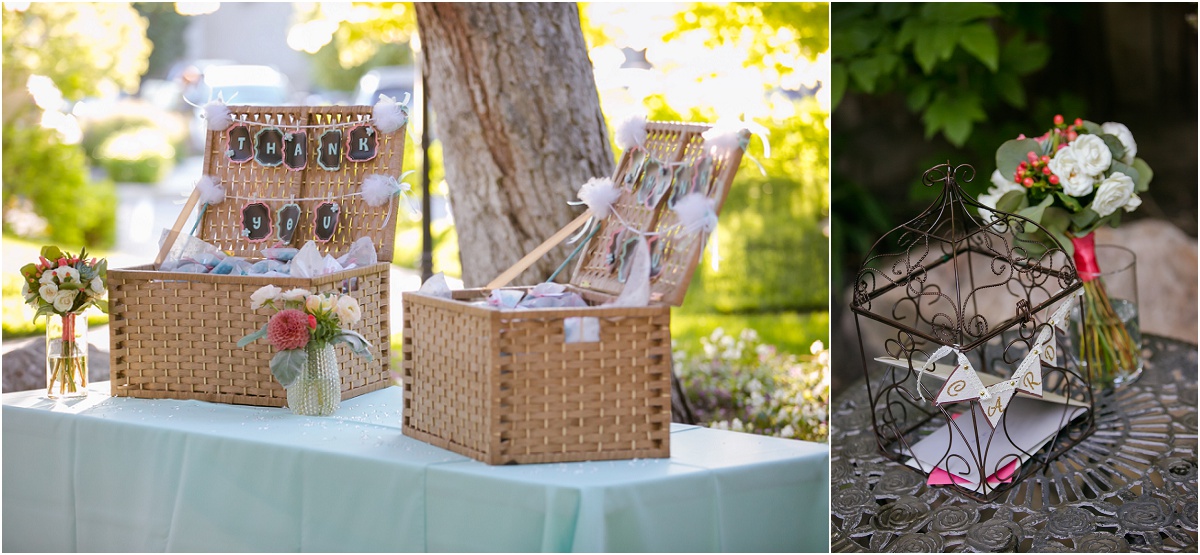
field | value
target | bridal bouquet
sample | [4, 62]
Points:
[1071, 180]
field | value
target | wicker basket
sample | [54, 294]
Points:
[174, 335]
[504, 387]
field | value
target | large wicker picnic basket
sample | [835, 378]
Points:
[504, 386]
[174, 334]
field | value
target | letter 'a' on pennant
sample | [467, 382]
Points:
[295, 150]
[962, 385]
[994, 407]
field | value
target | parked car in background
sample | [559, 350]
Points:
[393, 81]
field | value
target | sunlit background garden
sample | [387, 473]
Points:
[101, 143]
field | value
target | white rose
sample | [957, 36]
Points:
[47, 277]
[1122, 134]
[1134, 202]
[98, 285]
[1092, 155]
[48, 291]
[348, 310]
[313, 304]
[265, 294]
[1112, 194]
[296, 295]
[64, 300]
[1074, 181]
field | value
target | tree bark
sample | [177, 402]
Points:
[520, 123]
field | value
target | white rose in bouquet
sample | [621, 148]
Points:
[1092, 156]
[1075, 181]
[97, 286]
[296, 295]
[48, 291]
[1000, 187]
[265, 294]
[64, 300]
[1122, 134]
[348, 310]
[1112, 194]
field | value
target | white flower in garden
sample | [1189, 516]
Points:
[787, 431]
[1074, 180]
[265, 294]
[48, 291]
[97, 285]
[296, 295]
[1122, 134]
[348, 310]
[1091, 154]
[1113, 193]
[64, 300]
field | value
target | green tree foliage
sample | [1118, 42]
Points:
[53, 176]
[165, 30]
[80, 47]
[947, 59]
[365, 35]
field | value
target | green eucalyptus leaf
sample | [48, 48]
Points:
[51, 253]
[102, 305]
[44, 310]
[1012, 153]
[1084, 218]
[1012, 202]
[1118, 166]
[1144, 175]
[1092, 127]
[1113, 144]
[287, 365]
[357, 343]
[252, 337]
[1069, 201]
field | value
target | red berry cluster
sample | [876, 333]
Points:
[1033, 170]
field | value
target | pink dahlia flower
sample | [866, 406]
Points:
[288, 330]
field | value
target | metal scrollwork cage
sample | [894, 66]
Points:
[960, 314]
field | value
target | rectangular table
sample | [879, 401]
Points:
[122, 474]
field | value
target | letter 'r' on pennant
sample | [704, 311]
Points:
[962, 385]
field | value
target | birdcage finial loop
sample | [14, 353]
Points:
[948, 175]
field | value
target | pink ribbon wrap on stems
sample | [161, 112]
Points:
[1085, 257]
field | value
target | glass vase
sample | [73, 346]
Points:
[66, 356]
[1110, 346]
[318, 390]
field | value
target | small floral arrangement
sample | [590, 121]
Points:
[304, 318]
[62, 283]
[1071, 180]
[745, 385]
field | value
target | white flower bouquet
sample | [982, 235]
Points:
[1072, 180]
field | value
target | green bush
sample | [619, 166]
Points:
[142, 155]
[127, 117]
[41, 171]
[745, 385]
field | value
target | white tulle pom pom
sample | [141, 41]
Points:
[377, 190]
[599, 194]
[211, 192]
[390, 115]
[725, 136]
[631, 132]
[696, 212]
[216, 113]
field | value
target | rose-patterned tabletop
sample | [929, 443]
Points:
[1130, 486]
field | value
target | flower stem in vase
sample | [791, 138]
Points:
[1107, 348]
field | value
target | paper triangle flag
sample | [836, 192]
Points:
[962, 385]
[1049, 351]
[994, 407]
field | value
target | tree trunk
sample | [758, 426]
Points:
[520, 123]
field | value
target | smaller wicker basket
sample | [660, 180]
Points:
[174, 335]
[504, 386]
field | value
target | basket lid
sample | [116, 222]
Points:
[671, 163]
[310, 187]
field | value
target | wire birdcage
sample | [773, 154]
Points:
[991, 293]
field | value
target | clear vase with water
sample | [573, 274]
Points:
[66, 356]
[1109, 347]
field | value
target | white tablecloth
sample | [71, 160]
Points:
[122, 474]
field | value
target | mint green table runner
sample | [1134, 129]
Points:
[122, 474]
